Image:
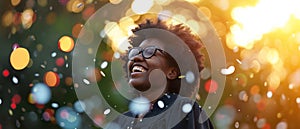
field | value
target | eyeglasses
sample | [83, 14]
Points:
[147, 52]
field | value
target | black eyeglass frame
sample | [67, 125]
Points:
[142, 50]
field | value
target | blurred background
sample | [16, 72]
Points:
[261, 40]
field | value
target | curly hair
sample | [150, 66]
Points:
[180, 30]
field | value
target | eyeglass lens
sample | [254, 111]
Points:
[147, 52]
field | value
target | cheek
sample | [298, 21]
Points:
[162, 64]
[128, 65]
[126, 68]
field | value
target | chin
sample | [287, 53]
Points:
[139, 85]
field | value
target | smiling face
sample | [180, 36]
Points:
[140, 68]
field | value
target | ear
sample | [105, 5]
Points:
[172, 73]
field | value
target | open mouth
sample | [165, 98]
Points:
[138, 68]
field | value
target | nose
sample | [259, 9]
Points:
[137, 58]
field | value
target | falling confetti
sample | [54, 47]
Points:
[161, 104]
[104, 65]
[106, 112]
[15, 80]
[190, 77]
[54, 105]
[228, 70]
[186, 108]
[86, 81]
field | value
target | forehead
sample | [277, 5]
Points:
[152, 42]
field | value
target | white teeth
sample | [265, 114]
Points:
[138, 69]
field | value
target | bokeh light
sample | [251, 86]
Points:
[66, 44]
[51, 18]
[7, 18]
[139, 105]
[67, 118]
[282, 125]
[42, 3]
[15, 2]
[87, 12]
[60, 61]
[141, 7]
[5, 73]
[93, 75]
[19, 58]
[51, 79]
[16, 99]
[115, 1]
[211, 86]
[27, 18]
[76, 29]
[41, 93]
[75, 6]
[48, 115]
[79, 106]
[68, 81]
[224, 116]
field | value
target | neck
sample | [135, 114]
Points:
[152, 95]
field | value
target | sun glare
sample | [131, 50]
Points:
[252, 22]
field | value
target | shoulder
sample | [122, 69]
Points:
[188, 104]
[122, 120]
[196, 118]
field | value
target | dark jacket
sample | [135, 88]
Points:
[172, 112]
